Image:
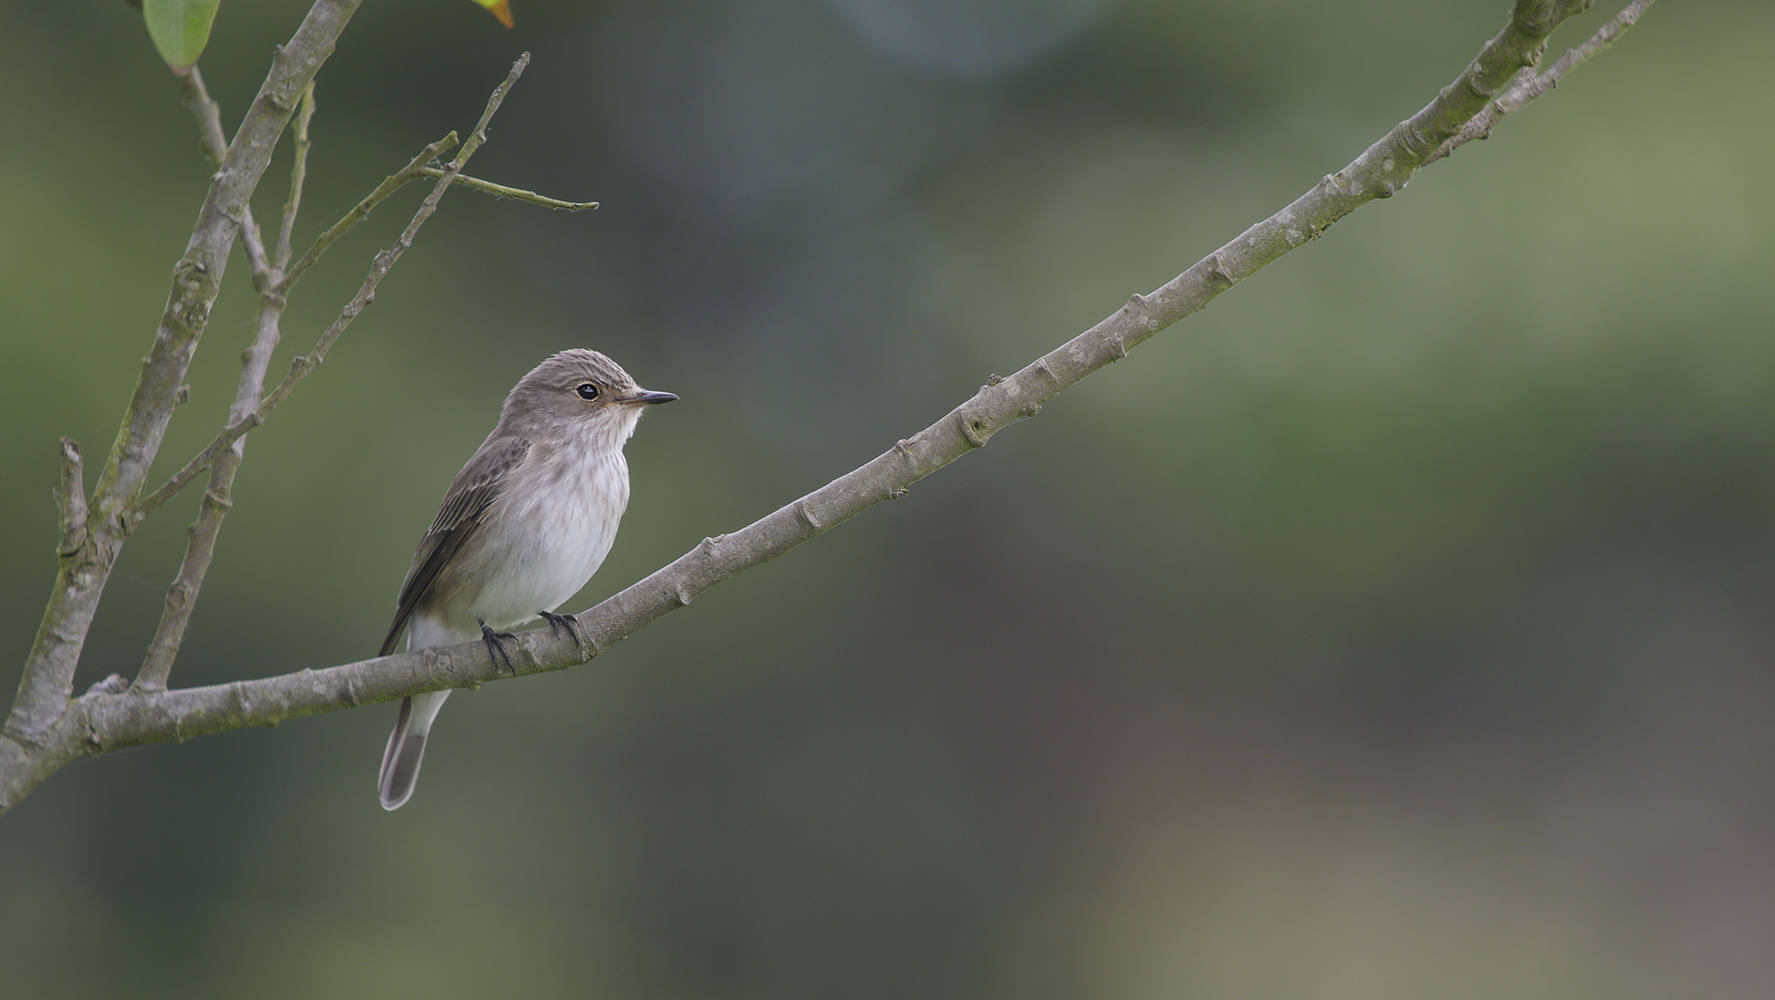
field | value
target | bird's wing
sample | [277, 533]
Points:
[477, 486]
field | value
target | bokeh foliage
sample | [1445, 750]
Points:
[1397, 627]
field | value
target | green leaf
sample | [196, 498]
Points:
[180, 29]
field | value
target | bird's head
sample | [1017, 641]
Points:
[582, 389]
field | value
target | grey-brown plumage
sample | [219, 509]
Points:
[524, 525]
[475, 489]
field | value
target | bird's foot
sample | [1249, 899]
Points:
[496, 646]
[559, 622]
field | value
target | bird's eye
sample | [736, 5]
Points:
[588, 391]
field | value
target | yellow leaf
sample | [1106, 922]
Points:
[500, 8]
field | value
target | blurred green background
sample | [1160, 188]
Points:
[1398, 627]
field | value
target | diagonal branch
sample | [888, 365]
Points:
[105, 720]
[390, 184]
[1529, 85]
[279, 287]
[302, 365]
[419, 167]
[181, 596]
[214, 143]
[47, 680]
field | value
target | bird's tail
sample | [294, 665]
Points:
[406, 748]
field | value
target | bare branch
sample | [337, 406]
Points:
[218, 499]
[104, 720]
[47, 679]
[302, 365]
[298, 176]
[501, 191]
[73, 500]
[1529, 85]
[239, 424]
[416, 168]
[214, 144]
[390, 184]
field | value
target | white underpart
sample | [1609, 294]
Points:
[544, 538]
[551, 528]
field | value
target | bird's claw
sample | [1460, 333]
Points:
[496, 646]
[559, 622]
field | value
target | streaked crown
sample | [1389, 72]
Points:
[573, 387]
[570, 368]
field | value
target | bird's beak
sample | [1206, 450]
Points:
[647, 397]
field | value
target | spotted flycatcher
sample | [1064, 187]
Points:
[524, 526]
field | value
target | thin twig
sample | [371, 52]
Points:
[218, 499]
[302, 365]
[298, 175]
[1529, 85]
[416, 168]
[239, 424]
[518, 194]
[390, 184]
[253, 243]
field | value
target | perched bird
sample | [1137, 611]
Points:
[525, 524]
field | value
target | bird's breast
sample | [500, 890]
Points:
[549, 532]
